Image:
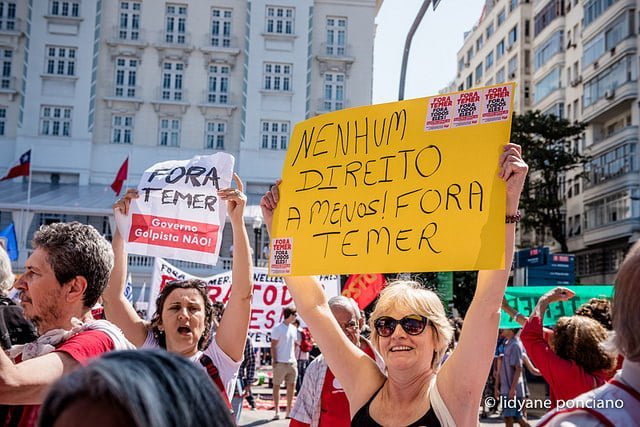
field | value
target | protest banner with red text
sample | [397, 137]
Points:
[178, 214]
[270, 295]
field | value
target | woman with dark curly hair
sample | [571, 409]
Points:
[575, 361]
[184, 312]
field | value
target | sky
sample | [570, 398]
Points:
[432, 59]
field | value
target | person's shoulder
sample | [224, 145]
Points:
[571, 419]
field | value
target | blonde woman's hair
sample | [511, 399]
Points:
[410, 295]
[626, 300]
[6, 275]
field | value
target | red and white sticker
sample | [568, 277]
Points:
[466, 108]
[496, 104]
[439, 112]
[281, 252]
[173, 233]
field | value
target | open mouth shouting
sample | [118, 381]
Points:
[184, 330]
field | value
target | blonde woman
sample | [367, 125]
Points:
[411, 332]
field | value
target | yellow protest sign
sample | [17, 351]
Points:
[405, 186]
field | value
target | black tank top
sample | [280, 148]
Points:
[363, 419]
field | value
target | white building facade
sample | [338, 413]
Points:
[92, 82]
[584, 67]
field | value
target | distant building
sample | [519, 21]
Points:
[87, 83]
[577, 60]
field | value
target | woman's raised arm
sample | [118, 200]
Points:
[476, 348]
[118, 310]
[234, 325]
[358, 374]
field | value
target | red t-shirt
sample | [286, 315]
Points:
[565, 377]
[334, 405]
[81, 347]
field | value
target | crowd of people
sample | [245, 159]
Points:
[192, 363]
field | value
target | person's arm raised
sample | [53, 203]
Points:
[478, 338]
[234, 325]
[117, 309]
[358, 374]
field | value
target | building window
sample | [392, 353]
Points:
[512, 66]
[169, 132]
[218, 89]
[122, 129]
[336, 36]
[129, 20]
[460, 64]
[64, 8]
[606, 40]
[221, 27]
[61, 61]
[274, 135]
[513, 35]
[623, 71]
[548, 84]
[555, 110]
[333, 91]
[548, 48]
[479, 43]
[479, 73]
[3, 121]
[175, 30]
[126, 70]
[612, 164]
[513, 4]
[7, 15]
[608, 210]
[6, 56]
[279, 20]
[470, 54]
[594, 8]
[215, 135]
[500, 49]
[172, 74]
[501, 17]
[55, 121]
[549, 12]
[277, 77]
[488, 61]
[500, 76]
[489, 31]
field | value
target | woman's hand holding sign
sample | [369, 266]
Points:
[236, 200]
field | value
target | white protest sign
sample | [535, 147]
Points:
[178, 214]
[270, 295]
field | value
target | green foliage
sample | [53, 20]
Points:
[546, 143]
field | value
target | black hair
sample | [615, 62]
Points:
[152, 388]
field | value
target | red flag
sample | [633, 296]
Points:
[364, 288]
[121, 177]
[20, 167]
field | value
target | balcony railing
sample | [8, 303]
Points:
[327, 105]
[336, 52]
[223, 99]
[11, 25]
[175, 39]
[127, 36]
[172, 95]
[211, 42]
[8, 84]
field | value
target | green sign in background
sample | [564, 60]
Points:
[525, 298]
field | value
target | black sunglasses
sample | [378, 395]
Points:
[412, 324]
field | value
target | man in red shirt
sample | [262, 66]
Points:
[64, 277]
[321, 400]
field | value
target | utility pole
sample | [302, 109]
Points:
[407, 43]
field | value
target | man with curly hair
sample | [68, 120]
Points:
[65, 275]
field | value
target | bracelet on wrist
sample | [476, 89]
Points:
[513, 219]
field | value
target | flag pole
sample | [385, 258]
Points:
[25, 226]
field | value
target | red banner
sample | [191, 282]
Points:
[364, 288]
